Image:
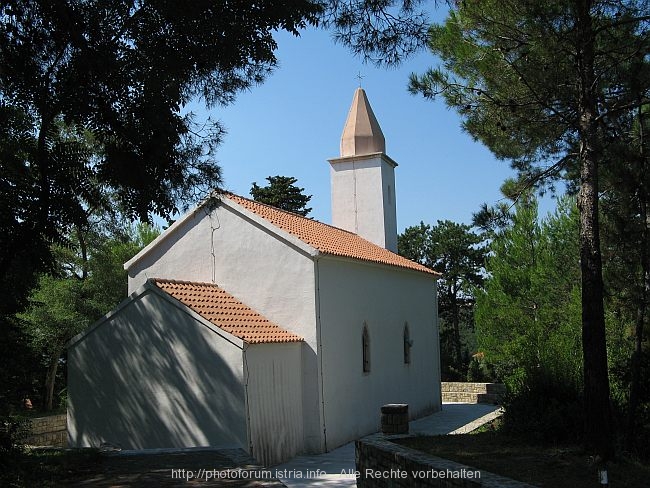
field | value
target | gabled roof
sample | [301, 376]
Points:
[225, 311]
[326, 238]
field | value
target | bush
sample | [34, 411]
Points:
[474, 373]
[13, 433]
[479, 370]
[545, 408]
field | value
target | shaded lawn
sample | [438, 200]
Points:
[541, 465]
[48, 467]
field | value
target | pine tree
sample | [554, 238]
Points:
[539, 83]
[456, 252]
[282, 193]
[528, 319]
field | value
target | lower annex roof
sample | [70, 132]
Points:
[225, 311]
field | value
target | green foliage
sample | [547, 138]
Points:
[13, 434]
[414, 244]
[58, 311]
[107, 281]
[475, 373]
[456, 252]
[92, 96]
[384, 32]
[50, 468]
[544, 407]
[19, 263]
[491, 220]
[626, 263]
[528, 315]
[528, 321]
[90, 282]
[282, 193]
[509, 68]
[18, 367]
[545, 85]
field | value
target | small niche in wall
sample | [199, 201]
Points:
[365, 348]
[408, 343]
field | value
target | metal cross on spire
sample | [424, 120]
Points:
[360, 77]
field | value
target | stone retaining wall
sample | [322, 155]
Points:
[461, 392]
[49, 431]
[384, 464]
[462, 386]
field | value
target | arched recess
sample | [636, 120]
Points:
[408, 343]
[365, 348]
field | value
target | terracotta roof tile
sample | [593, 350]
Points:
[326, 238]
[225, 311]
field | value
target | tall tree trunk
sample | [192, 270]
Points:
[84, 253]
[596, 381]
[50, 380]
[598, 420]
[456, 324]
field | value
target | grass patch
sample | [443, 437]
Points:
[48, 467]
[547, 466]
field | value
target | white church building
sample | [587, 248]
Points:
[252, 327]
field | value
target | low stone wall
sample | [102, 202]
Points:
[461, 392]
[462, 386]
[49, 431]
[383, 464]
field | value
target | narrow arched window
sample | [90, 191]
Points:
[365, 349]
[407, 345]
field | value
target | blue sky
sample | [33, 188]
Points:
[291, 125]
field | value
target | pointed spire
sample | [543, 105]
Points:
[361, 134]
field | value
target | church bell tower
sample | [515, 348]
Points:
[363, 178]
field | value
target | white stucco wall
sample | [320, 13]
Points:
[274, 389]
[390, 210]
[152, 376]
[363, 197]
[267, 273]
[384, 298]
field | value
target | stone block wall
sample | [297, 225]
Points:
[49, 431]
[383, 464]
[461, 392]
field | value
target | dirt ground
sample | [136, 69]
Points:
[543, 465]
[205, 468]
